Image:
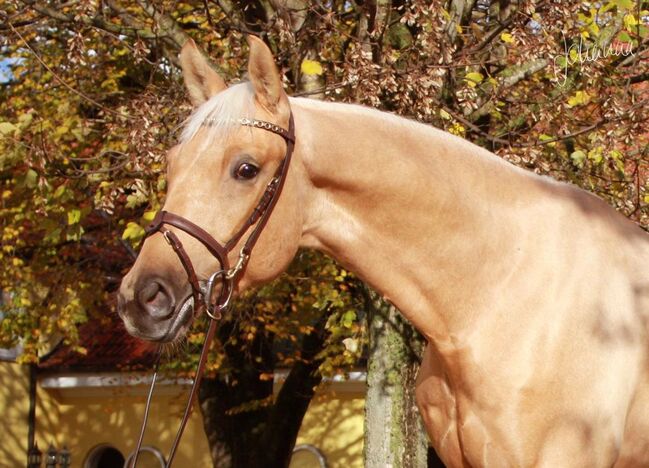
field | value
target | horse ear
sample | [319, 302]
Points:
[201, 80]
[265, 77]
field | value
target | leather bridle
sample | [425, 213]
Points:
[228, 276]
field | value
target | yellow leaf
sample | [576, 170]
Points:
[473, 78]
[580, 97]
[7, 128]
[630, 21]
[148, 216]
[74, 216]
[311, 67]
[507, 37]
[593, 28]
[133, 231]
[62, 130]
[457, 129]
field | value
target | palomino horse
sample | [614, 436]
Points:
[533, 295]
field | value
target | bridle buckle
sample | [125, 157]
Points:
[240, 265]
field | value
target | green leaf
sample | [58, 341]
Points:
[135, 199]
[618, 160]
[348, 318]
[595, 155]
[624, 37]
[643, 31]
[607, 7]
[624, 4]
[60, 190]
[31, 178]
[311, 67]
[578, 157]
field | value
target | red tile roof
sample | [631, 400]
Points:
[109, 348]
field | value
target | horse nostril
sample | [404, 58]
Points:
[156, 299]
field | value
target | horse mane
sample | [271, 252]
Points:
[222, 111]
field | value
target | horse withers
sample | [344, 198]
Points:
[533, 294]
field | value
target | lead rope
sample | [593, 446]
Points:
[197, 380]
[145, 418]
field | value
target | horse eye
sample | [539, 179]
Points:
[246, 171]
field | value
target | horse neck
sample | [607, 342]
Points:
[403, 206]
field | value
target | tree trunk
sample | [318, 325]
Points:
[263, 435]
[233, 435]
[394, 434]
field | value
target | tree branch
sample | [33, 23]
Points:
[60, 80]
[639, 78]
[459, 11]
[512, 75]
[133, 30]
[476, 129]
[165, 23]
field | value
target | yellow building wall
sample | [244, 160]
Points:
[83, 422]
[14, 408]
[334, 424]
[82, 419]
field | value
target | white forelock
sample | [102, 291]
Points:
[222, 111]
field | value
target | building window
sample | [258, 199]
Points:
[104, 456]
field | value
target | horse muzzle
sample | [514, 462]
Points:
[152, 310]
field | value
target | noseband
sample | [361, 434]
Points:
[228, 276]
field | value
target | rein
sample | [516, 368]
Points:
[228, 276]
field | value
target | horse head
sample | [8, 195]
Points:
[220, 177]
